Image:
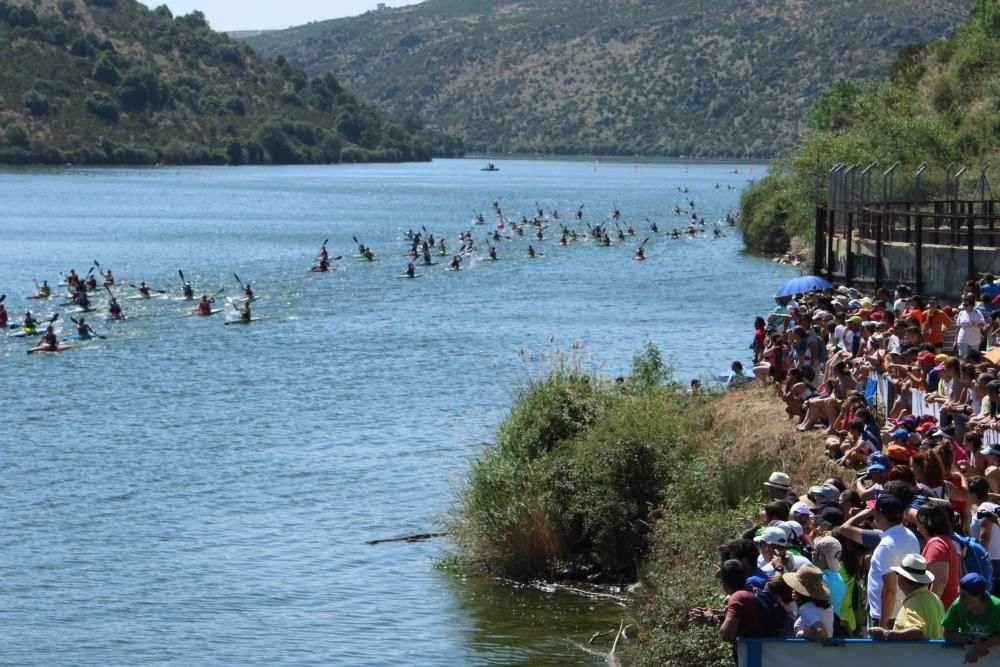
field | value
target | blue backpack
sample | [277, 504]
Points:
[775, 621]
[975, 558]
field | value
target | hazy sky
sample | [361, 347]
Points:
[242, 15]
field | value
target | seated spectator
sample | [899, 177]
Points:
[921, 612]
[815, 619]
[973, 620]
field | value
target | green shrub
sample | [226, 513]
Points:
[16, 135]
[36, 103]
[103, 106]
[105, 70]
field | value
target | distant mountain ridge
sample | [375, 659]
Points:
[711, 78]
[112, 81]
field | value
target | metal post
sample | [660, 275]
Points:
[956, 208]
[918, 229]
[831, 219]
[947, 180]
[847, 198]
[879, 268]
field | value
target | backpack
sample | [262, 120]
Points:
[775, 622]
[975, 558]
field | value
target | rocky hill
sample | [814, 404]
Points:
[940, 105]
[623, 77]
[111, 81]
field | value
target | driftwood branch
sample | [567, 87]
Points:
[612, 659]
[418, 537]
[599, 634]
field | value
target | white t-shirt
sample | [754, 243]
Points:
[968, 323]
[994, 546]
[899, 306]
[810, 615]
[896, 542]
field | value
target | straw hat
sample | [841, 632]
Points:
[914, 568]
[779, 480]
[808, 581]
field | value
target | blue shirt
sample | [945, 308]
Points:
[838, 589]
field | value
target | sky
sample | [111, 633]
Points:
[225, 15]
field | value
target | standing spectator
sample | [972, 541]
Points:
[940, 555]
[970, 326]
[897, 541]
[973, 620]
[743, 614]
[921, 612]
[984, 525]
[815, 619]
[827, 558]
[933, 324]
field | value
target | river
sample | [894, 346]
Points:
[188, 493]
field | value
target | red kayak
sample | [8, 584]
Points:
[39, 296]
[50, 348]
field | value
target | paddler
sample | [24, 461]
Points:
[456, 262]
[493, 253]
[324, 264]
[72, 279]
[3, 316]
[410, 272]
[441, 248]
[144, 290]
[653, 228]
[427, 257]
[84, 330]
[640, 254]
[44, 289]
[109, 280]
[205, 305]
[81, 299]
[49, 338]
[30, 323]
[114, 308]
[531, 251]
[630, 230]
[245, 313]
[606, 241]
[91, 282]
[188, 291]
[247, 292]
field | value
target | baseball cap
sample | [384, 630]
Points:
[974, 584]
[831, 549]
[800, 508]
[774, 536]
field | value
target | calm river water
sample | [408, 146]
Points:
[188, 493]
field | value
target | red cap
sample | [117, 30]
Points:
[926, 356]
[863, 313]
[877, 315]
[926, 426]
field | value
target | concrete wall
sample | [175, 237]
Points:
[945, 267]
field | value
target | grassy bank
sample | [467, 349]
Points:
[621, 482]
[747, 438]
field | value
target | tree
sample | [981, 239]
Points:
[102, 105]
[141, 88]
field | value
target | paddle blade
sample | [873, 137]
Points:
[2, 297]
[181, 274]
[55, 317]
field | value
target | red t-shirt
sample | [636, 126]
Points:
[744, 608]
[940, 549]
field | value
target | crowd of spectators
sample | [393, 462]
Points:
[904, 544]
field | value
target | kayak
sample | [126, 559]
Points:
[406, 275]
[639, 259]
[50, 348]
[316, 269]
[252, 319]
[195, 313]
[25, 332]
[114, 318]
[137, 297]
[88, 336]
[39, 296]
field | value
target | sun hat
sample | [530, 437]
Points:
[808, 581]
[841, 301]
[974, 584]
[799, 508]
[843, 289]
[914, 568]
[779, 480]
[831, 549]
[774, 536]
[990, 450]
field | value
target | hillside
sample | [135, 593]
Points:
[688, 77]
[940, 105]
[110, 81]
